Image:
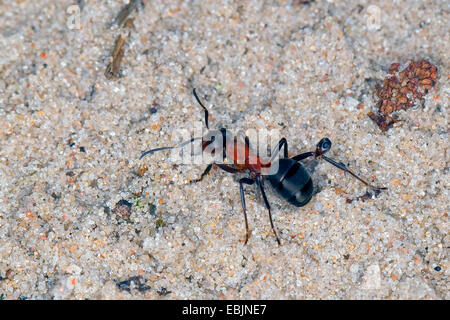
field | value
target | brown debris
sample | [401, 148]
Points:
[121, 18]
[384, 122]
[122, 210]
[112, 70]
[141, 171]
[129, 23]
[401, 89]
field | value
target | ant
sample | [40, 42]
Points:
[291, 181]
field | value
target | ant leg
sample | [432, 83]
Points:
[247, 141]
[342, 166]
[261, 186]
[241, 186]
[221, 166]
[247, 151]
[207, 170]
[282, 143]
[228, 168]
[241, 135]
[204, 108]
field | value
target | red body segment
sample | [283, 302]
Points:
[242, 156]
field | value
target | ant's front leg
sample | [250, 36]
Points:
[207, 170]
[224, 167]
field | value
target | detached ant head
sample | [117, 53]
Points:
[322, 147]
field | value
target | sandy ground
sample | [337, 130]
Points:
[81, 217]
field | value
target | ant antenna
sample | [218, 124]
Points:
[342, 166]
[322, 147]
[168, 148]
[204, 108]
[186, 142]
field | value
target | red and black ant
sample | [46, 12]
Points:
[291, 181]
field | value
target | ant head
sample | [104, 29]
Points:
[323, 146]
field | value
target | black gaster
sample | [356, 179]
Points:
[292, 182]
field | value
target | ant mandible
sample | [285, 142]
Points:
[291, 181]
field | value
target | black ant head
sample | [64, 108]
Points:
[323, 146]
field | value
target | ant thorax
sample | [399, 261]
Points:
[241, 150]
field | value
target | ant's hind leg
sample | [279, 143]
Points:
[261, 186]
[241, 187]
